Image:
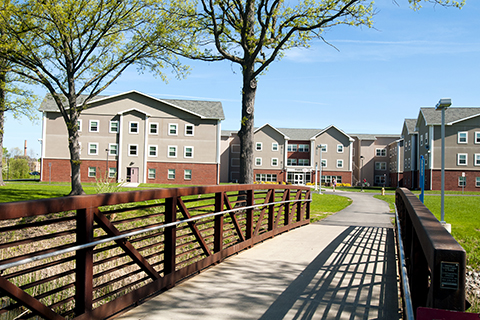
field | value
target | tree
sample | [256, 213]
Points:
[254, 33]
[79, 47]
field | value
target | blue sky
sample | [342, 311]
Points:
[376, 79]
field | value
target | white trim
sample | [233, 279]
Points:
[110, 149]
[110, 126]
[154, 173]
[258, 144]
[150, 128]
[267, 124]
[130, 127]
[340, 145]
[130, 150]
[193, 130]
[174, 174]
[185, 152]
[185, 174]
[275, 143]
[466, 137]
[156, 150]
[339, 160]
[90, 125]
[271, 162]
[475, 159]
[168, 151]
[79, 125]
[256, 164]
[94, 169]
[476, 135]
[176, 129]
[120, 144]
[322, 161]
[96, 148]
[458, 159]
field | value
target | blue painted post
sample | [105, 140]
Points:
[422, 177]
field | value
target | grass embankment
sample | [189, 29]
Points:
[324, 205]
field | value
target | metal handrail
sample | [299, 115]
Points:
[409, 314]
[134, 233]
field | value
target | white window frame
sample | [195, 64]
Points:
[476, 159]
[175, 125]
[324, 147]
[90, 126]
[149, 150]
[171, 171]
[168, 151]
[193, 130]
[79, 125]
[383, 152]
[96, 148]
[185, 174]
[258, 146]
[90, 175]
[293, 162]
[114, 171]
[339, 163]
[274, 162]
[156, 129]
[130, 150]
[459, 135]
[110, 126]
[130, 127]
[477, 182]
[152, 173]
[460, 179]
[185, 152]
[381, 164]
[458, 159]
[421, 140]
[303, 162]
[303, 148]
[340, 146]
[258, 161]
[110, 149]
[477, 137]
[291, 147]
[274, 146]
[322, 163]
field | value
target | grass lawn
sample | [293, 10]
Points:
[324, 205]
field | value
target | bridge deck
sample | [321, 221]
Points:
[342, 268]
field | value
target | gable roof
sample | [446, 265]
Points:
[202, 109]
[299, 134]
[277, 130]
[452, 115]
[332, 126]
[410, 124]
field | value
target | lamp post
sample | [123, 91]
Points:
[361, 176]
[319, 146]
[107, 175]
[442, 105]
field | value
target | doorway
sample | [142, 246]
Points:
[298, 178]
[132, 175]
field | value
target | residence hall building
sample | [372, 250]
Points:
[409, 136]
[462, 148]
[293, 155]
[371, 160]
[136, 138]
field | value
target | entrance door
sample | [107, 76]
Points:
[132, 175]
[298, 178]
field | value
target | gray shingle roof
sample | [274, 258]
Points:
[454, 114]
[411, 124]
[204, 109]
[299, 134]
[364, 136]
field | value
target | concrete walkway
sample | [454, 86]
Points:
[341, 268]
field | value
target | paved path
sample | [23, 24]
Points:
[341, 268]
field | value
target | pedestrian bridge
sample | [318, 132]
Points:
[181, 254]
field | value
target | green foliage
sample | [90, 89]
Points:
[18, 168]
[324, 205]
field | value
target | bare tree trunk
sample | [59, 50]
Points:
[246, 130]
[3, 79]
[75, 162]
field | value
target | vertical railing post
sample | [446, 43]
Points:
[170, 239]
[308, 195]
[218, 233]
[299, 205]
[84, 263]
[249, 224]
[286, 220]
[271, 210]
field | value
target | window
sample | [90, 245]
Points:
[258, 161]
[187, 174]
[258, 146]
[324, 147]
[112, 149]
[79, 125]
[92, 171]
[133, 127]
[188, 152]
[426, 138]
[291, 162]
[153, 128]
[380, 166]
[152, 151]
[94, 126]
[189, 129]
[462, 181]
[113, 127]
[463, 137]
[303, 162]
[381, 152]
[274, 162]
[235, 148]
[235, 162]
[266, 177]
[303, 147]
[172, 151]
[133, 149]
[324, 163]
[152, 173]
[112, 172]
[421, 139]
[93, 149]
[462, 159]
[476, 158]
[171, 174]
[339, 163]
[339, 148]
[172, 129]
[477, 137]
[379, 180]
[477, 182]
[292, 148]
[274, 146]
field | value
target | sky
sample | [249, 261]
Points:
[368, 81]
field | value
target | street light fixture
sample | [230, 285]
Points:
[442, 105]
[361, 177]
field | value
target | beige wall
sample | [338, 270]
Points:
[267, 137]
[332, 138]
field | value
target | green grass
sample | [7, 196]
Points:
[324, 205]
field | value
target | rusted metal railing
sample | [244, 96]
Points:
[91, 256]
[434, 261]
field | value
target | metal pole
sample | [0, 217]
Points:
[316, 176]
[320, 189]
[443, 167]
